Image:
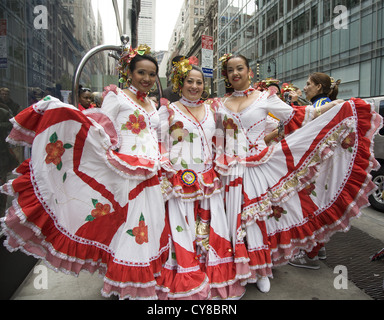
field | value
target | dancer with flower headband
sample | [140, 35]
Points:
[200, 263]
[89, 198]
[295, 194]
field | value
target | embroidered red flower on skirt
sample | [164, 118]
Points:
[101, 210]
[54, 152]
[349, 141]
[310, 189]
[277, 212]
[141, 232]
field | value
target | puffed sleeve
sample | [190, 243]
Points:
[165, 114]
[294, 117]
[111, 105]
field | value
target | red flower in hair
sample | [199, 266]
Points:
[193, 61]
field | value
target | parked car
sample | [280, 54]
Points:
[377, 198]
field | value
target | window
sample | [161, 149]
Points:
[314, 22]
[326, 10]
[301, 24]
[272, 41]
[281, 8]
[281, 36]
[272, 15]
[289, 31]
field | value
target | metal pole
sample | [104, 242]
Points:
[80, 67]
[118, 20]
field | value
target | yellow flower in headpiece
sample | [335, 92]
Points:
[225, 57]
[184, 66]
[127, 56]
[180, 71]
[224, 61]
[287, 87]
[143, 49]
[270, 81]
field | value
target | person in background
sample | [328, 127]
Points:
[7, 159]
[97, 98]
[321, 89]
[297, 97]
[85, 98]
[35, 94]
[5, 98]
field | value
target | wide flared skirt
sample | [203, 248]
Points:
[315, 182]
[200, 264]
[76, 212]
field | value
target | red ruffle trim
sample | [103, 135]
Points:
[192, 285]
[131, 165]
[224, 284]
[297, 119]
[222, 272]
[31, 229]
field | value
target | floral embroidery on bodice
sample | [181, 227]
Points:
[137, 127]
[244, 132]
[189, 142]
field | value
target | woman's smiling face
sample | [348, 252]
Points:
[193, 86]
[144, 75]
[238, 73]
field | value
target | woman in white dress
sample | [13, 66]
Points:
[82, 200]
[200, 263]
[296, 193]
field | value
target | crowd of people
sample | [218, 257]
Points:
[195, 199]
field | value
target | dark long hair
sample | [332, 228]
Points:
[135, 60]
[330, 86]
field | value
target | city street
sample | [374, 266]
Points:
[289, 283]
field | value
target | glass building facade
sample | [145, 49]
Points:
[289, 39]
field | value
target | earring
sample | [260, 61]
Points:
[206, 95]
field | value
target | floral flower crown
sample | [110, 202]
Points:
[224, 63]
[180, 71]
[287, 87]
[126, 58]
[265, 84]
[334, 83]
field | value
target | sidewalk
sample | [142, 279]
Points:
[289, 283]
